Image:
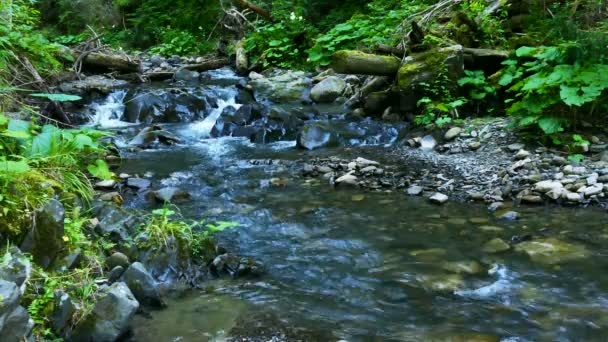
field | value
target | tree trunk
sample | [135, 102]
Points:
[357, 62]
[112, 61]
[208, 65]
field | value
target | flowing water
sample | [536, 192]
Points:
[368, 266]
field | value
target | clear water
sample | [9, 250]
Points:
[366, 268]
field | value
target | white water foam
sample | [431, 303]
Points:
[502, 285]
[202, 129]
[107, 114]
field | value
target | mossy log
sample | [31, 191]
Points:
[357, 62]
[112, 61]
[211, 64]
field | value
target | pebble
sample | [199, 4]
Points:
[106, 184]
[515, 147]
[509, 215]
[452, 133]
[438, 198]
[496, 245]
[475, 145]
[522, 154]
[414, 190]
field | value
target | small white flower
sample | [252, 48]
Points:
[300, 18]
[292, 16]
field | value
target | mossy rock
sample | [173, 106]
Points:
[357, 62]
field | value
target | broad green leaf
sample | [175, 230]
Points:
[100, 170]
[526, 51]
[550, 125]
[570, 95]
[19, 126]
[8, 166]
[82, 141]
[58, 97]
[16, 134]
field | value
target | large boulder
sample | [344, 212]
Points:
[92, 84]
[45, 240]
[114, 222]
[357, 62]
[110, 318]
[424, 68]
[157, 106]
[15, 322]
[141, 283]
[328, 90]
[280, 86]
[16, 267]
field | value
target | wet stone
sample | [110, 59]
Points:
[438, 198]
[496, 245]
[415, 190]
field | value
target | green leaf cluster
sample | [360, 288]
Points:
[549, 90]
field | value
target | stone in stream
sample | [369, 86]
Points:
[110, 318]
[463, 267]
[452, 133]
[438, 198]
[552, 251]
[315, 135]
[496, 245]
[328, 90]
[105, 184]
[509, 216]
[139, 183]
[548, 185]
[441, 282]
[347, 179]
[171, 195]
[142, 285]
[414, 190]
[428, 142]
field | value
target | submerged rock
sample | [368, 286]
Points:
[414, 190]
[441, 282]
[496, 245]
[552, 251]
[463, 267]
[171, 195]
[315, 135]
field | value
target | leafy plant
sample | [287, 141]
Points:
[100, 170]
[192, 237]
[550, 90]
[58, 97]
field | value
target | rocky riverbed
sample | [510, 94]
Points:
[481, 160]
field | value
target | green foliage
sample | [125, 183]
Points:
[38, 162]
[58, 97]
[281, 44]
[551, 90]
[182, 43]
[378, 26]
[192, 237]
[477, 85]
[100, 170]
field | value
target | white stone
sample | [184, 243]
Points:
[548, 185]
[439, 198]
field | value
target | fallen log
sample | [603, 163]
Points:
[110, 61]
[211, 64]
[357, 62]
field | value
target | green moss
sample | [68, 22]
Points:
[358, 62]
